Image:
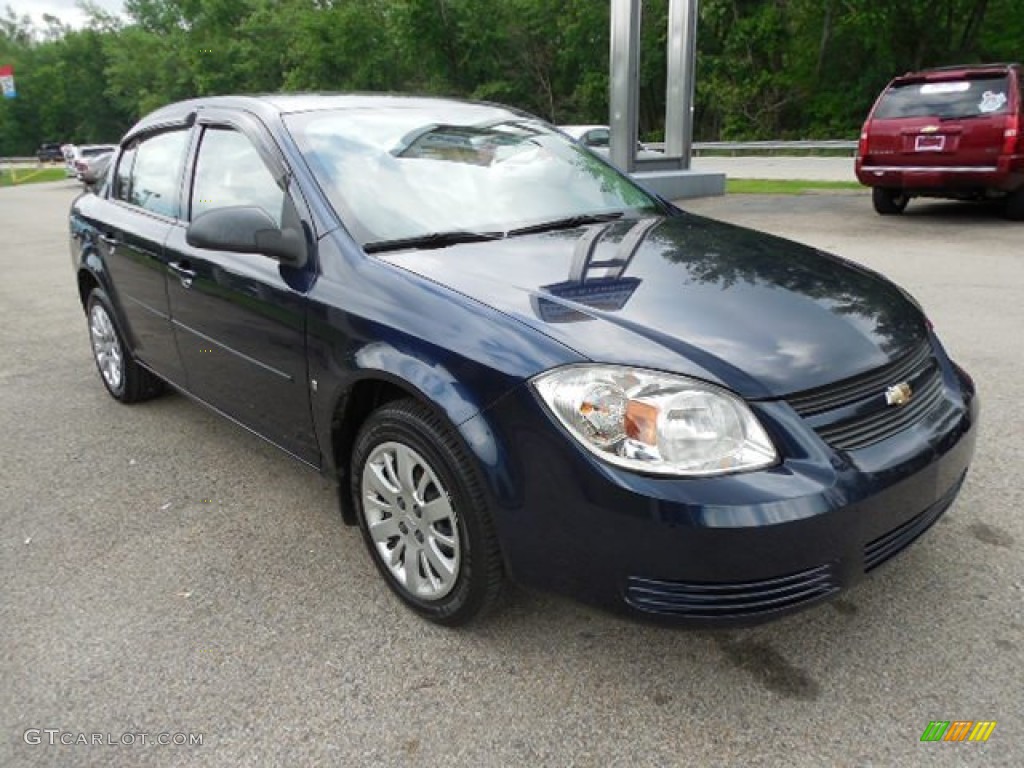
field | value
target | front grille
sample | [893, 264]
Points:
[898, 539]
[697, 600]
[853, 413]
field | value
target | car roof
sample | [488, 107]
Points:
[274, 104]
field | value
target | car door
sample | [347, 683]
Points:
[133, 223]
[240, 318]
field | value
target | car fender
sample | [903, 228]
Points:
[434, 385]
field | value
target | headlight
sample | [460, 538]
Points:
[656, 422]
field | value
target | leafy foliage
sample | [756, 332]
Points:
[766, 68]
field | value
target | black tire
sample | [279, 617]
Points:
[403, 529]
[1015, 205]
[889, 202]
[134, 383]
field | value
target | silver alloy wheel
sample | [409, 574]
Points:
[410, 519]
[105, 347]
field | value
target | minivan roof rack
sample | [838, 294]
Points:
[954, 67]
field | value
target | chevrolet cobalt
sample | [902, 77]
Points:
[516, 363]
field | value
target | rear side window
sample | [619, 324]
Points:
[950, 99]
[149, 172]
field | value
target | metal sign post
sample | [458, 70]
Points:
[669, 175]
[624, 99]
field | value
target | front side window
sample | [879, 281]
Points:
[398, 172]
[154, 177]
[230, 172]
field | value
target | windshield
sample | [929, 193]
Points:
[404, 172]
[947, 98]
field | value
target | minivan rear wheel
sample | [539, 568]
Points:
[1015, 205]
[889, 202]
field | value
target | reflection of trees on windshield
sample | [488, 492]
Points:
[721, 254]
[395, 174]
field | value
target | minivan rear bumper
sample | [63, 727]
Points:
[1006, 176]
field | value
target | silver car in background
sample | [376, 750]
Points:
[81, 160]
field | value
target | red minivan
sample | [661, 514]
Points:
[953, 132]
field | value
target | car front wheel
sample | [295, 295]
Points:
[889, 202]
[123, 377]
[423, 514]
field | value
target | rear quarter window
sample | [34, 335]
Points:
[949, 99]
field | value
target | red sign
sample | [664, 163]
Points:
[7, 81]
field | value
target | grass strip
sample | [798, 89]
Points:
[13, 177]
[785, 186]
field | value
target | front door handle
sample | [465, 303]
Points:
[109, 240]
[184, 273]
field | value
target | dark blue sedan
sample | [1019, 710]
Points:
[517, 363]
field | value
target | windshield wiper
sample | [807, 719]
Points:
[569, 222]
[432, 240]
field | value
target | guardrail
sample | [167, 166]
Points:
[762, 147]
[8, 161]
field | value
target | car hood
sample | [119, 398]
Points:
[761, 315]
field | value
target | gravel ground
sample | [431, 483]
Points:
[165, 572]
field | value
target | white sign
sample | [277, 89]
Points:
[957, 87]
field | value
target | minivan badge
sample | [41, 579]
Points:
[930, 129]
[899, 394]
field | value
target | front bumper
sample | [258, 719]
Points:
[731, 550]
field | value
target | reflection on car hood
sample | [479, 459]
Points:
[762, 315]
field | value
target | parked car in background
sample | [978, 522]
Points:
[49, 152]
[517, 363]
[94, 168]
[952, 132]
[598, 138]
[79, 159]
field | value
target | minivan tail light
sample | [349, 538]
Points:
[862, 145]
[1011, 135]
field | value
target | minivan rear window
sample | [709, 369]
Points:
[950, 99]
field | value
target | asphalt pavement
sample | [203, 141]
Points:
[164, 572]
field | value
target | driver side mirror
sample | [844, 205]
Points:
[246, 229]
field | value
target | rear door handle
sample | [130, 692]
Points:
[184, 273]
[110, 240]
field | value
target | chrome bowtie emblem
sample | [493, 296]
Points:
[899, 394]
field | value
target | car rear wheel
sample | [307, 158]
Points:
[123, 377]
[889, 202]
[1015, 205]
[423, 515]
